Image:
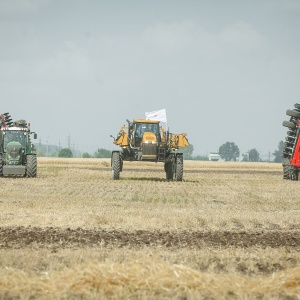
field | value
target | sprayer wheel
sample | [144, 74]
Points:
[116, 165]
[179, 167]
[169, 171]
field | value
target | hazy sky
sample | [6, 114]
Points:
[223, 70]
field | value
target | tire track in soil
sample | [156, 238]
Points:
[210, 171]
[58, 238]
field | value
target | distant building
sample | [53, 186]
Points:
[214, 156]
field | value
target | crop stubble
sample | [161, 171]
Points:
[223, 218]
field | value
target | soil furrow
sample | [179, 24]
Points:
[21, 237]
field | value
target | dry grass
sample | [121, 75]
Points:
[147, 279]
[71, 193]
[213, 196]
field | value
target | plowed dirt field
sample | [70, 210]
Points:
[56, 238]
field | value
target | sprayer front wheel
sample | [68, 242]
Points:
[116, 165]
[169, 170]
[179, 168]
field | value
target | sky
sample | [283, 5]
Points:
[223, 70]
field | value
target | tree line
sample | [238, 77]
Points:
[55, 151]
[100, 153]
[228, 151]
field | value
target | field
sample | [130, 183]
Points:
[228, 231]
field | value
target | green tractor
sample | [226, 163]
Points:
[17, 152]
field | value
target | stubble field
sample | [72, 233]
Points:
[228, 231]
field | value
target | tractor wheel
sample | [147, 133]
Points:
[290, 139]
[286, 172]
[293, 113]
[297, 105]
[292, 133]
[293, 174]
[287, 149]
[1, 166]
[169, 171]
[179, 168]
[116, 165]
[286, 155]
[288, 145]
[289, 124]
[287, 152]
[31, 166]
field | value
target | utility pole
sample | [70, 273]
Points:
[47, 145]
[69, 141]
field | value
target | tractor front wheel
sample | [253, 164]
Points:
[116, 165]
[1, 166]
[31, 166]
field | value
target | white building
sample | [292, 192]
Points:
[214, 156]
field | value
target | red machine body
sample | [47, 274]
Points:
[291, 149]
[295, 160]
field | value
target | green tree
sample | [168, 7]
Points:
[253, 155]
[40, 152]
[278, 153]
[65, 152]
[229, 151]
[187, 151]
[245, 156]
[102, 153]
[86, 155]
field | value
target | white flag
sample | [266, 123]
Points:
[158, 115]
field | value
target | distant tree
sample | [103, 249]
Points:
[86, 155]
[187, 151]
[253, 155]
[44, 150]
[40, 152]
[278, 153]
[245, 156]
[229, 151]
[65, 152]
[102, 153]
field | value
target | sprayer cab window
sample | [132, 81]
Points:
[140, 128]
